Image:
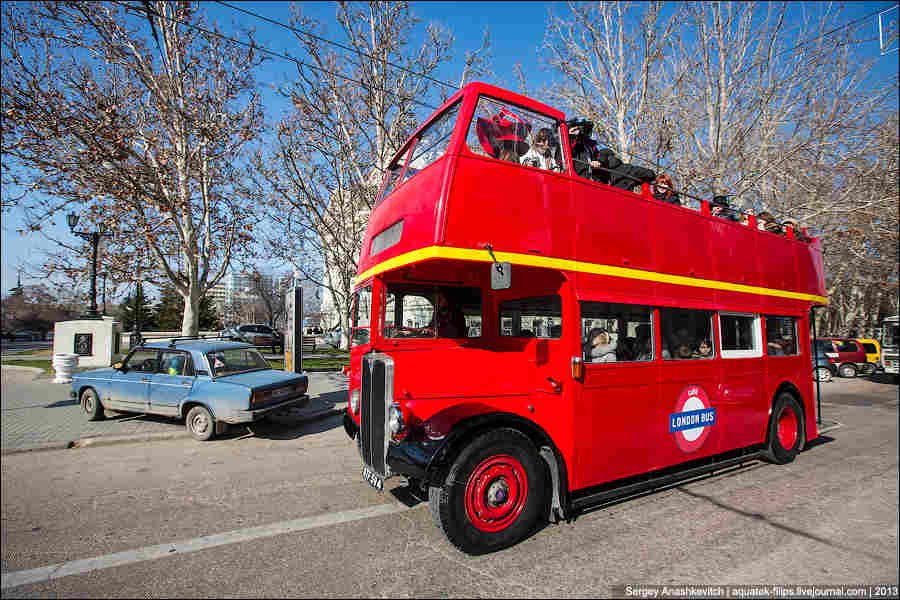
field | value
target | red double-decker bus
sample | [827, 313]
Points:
[527, 342]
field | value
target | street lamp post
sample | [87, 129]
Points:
[94, 238]
[104, 293]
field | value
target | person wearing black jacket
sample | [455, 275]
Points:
[602, 164]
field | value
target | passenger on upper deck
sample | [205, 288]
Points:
[503, 135]
[766, 221]
[664, 191]
[541, 153]
[719, 208]
[602, 164]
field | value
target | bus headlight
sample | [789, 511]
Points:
[395, 420]
[354, 402]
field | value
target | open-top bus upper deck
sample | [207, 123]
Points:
[443, 199]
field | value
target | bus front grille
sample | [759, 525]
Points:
[375, 399]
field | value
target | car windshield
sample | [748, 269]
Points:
[235, 360]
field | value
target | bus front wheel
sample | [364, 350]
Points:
[785, 436]
[493, 493]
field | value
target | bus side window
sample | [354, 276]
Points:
[686, 333]
[781, 336]
[616, 332]
[740, 335]
[539, 317]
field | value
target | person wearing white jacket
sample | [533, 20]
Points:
[541, 153]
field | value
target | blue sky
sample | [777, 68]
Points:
[517, 32]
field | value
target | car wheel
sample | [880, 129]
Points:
[785, 436]
[869, 369]
[200, 423]
[847, 370]
[823, 374]
[493, 493]
[90, 404]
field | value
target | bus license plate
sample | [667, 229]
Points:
[373, 479]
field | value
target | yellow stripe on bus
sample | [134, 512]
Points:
[578, 266]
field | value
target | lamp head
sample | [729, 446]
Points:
[72, 219]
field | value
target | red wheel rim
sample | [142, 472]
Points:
[496, 493]
[787, 428]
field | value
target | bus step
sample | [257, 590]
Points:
[593, 499]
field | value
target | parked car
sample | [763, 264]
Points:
[333, 338]
[873, 355]
[256, 334]
[823, 370]
[847, 356]
[209, 383]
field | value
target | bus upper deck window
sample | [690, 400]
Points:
[514, 134]
[432, 142]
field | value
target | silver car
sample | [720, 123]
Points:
[256, 334]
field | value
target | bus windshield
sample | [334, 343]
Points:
[432, 312]
[430, 145]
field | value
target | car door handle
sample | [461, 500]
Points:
[145, 380]
[186, 383]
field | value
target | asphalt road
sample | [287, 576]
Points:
[302, 523]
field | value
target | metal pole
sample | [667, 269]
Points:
[298, 328]
[104, 293]
[95, 241]
[816, 367]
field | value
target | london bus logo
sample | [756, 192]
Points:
[693, 417]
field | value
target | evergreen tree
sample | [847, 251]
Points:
[134, 308]
[209, 316]
[169, 310]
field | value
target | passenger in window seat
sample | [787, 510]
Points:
[503, 135]
[704, 350]
[599, 348]
[540, 155]
[766, 221]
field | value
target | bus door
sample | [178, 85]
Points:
[691, 413]
[617, 396]
[537, 323]
[743, 379]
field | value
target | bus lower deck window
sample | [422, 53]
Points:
[686, 333]
[616, 332]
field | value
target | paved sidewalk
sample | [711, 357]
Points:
[37, 413]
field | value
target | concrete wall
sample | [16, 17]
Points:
[103, 334]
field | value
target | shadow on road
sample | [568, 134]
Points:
[59, 403]
[885, 378]
[792, 530]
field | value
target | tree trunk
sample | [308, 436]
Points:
[190, 325]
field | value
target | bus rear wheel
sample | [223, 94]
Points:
[785, 436]
[493, 493]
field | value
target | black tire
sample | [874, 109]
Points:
[200, 424]
[823, 374]
[487, 476]
[786, 430]
[90, 404]
[847, 370]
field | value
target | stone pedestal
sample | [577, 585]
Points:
[95, 341]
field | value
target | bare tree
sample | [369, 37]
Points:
[270, 295]
[145, 136]
[739, 99]
[351, 113]
[608, 54]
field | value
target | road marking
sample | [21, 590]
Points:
[118, 559]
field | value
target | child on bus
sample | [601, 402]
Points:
[599, 347]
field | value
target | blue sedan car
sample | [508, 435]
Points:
[209, 383]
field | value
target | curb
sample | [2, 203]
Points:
[111, 440]
[35, 370]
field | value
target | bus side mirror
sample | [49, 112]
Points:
[501, 275]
